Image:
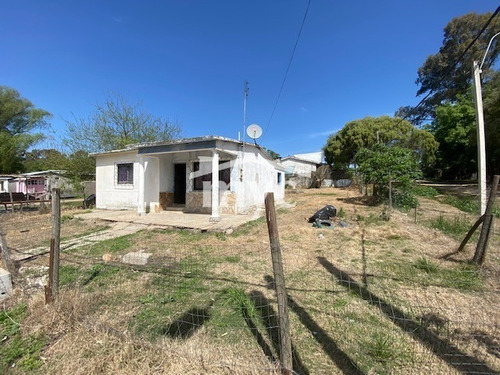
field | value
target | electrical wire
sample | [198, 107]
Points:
[452, 67]
[288, 67]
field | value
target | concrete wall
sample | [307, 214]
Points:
[110, 194]
[259, 177]
[300, 168]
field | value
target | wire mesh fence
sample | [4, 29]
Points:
[373, 297]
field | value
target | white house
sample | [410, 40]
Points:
[155, 176]
[302, 165]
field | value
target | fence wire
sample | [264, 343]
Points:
[361, 300]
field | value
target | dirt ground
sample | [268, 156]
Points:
[369, 296]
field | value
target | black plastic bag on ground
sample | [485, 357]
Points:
[325, 213]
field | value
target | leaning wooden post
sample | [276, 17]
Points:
[4, 253]
[53, 287]
[482, 243]
[279, 282]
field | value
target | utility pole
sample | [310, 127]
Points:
[481, 141]
[245, 96]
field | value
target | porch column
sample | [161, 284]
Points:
[140, 202]
[215, 187]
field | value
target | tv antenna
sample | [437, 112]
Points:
[245, 97]
[254, 131]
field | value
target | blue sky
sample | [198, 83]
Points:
[187, 60]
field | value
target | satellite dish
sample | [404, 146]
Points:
[254, 131]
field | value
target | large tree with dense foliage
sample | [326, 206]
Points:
[44, 159]
[19, 118]
[491, 95]
[447, 73]
[116, 124]
[341, 147]
[454, 127]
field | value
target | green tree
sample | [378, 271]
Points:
[116, 124]
[382, 162]
[341, 147]
[18, 120]
[272, 154]
[80, 166]
[491, 95]
[439, 75]
[44, 159]
[454, 127]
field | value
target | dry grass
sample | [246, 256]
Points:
[374, 297]
[28, 230]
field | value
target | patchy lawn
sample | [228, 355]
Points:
[375, 297]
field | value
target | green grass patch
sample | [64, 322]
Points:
[232, 258]
[177, 290]
[425, 265]
[463, 277]
[425, 191]
[456, 226]
[247, 228]
[466, 204]
[373, 219]
[231, 309]
[341, 214]
[425, 272]
[68, 275]
[113, 245]
[15, 350]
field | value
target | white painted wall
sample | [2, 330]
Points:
[258, 173]
[301, 168]
[259, 177]
[109, 194]
[152, 183]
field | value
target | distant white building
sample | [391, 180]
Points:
[302, 165]
[153, 177]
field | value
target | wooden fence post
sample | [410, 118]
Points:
[53, 288]
[4, 253]
[279, 282]
[390, 192]
[482, 243]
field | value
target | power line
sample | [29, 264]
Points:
[452, 67]
[288, 67]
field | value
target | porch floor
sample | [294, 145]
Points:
[175, 219]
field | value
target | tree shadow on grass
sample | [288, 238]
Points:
[270, 319]
[261, 341]
[492, 346]
[185, 326]
[329, 346]
[442, 348]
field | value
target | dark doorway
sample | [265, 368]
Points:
[180, 183]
